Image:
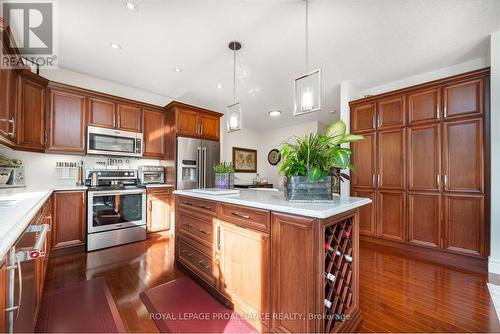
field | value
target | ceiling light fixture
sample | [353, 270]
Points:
[234, 110]
[275, 113]
[307, 87]
[115, 45]
[178, 70]
[219, 86]
[131, 5]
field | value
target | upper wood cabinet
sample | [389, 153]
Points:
[363, 117]
[30, 116]
[391, 112]
[69, 219]
[102, 112]
[154, 133]
[424, 106]
[8, 86]
[129, 118]
[67, 120]
[463, 151]
[191, 121]
[108, 113]
[463, 98]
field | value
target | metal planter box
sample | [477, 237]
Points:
[300, 188]
[224, 180]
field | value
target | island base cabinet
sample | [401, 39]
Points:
[68, 228]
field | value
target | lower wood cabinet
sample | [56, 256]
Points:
[69, 219]
[424, 219]
[3, 299]
[367, 213]
[160, 212]
[391, 215]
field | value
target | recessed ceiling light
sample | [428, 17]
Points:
[131, 5]
[275, 113]
[219, 85]
[115, 45]
[178, 70]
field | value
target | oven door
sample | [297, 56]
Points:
[113, 142]
[111, 210]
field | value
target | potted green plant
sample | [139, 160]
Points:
[309, 163]
[224, 175]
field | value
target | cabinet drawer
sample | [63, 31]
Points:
[200, 263]
[196, 227]
[198, 205]
[245, 217]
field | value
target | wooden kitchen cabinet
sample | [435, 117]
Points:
[67, 122]
[367, 213]
[102, 113]
[68, 219]
[129, 117]
[244, 269]
[160, 213]
[191, 121]
[424, 106]
[8, 86]
[424, 219]
[391, 112]
[363, 118]
[464, 98]
[391, 159]
[154, 133]
[364, 160]
[424, 157]
[30, 116]
[3, 299]
[391, 215]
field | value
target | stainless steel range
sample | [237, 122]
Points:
[116, 211]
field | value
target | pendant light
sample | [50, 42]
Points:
[307, 87]
[234, 111]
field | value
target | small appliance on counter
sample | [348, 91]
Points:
[116, 210]
[12, 177]
[152, 174]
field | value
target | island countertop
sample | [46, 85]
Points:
[275, 201]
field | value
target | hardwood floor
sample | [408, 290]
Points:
[397, 294]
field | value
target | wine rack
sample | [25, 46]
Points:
[338, 275]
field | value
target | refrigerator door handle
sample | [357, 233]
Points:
[199, 166]
[204, 155]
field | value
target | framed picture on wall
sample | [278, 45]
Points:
[244, 160]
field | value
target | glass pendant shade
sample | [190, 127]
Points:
[307, 93]
[233, 117]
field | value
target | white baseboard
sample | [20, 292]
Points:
[494, 265]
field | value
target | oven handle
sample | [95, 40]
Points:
[119, 192]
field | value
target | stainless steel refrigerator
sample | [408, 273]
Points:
[196, 159]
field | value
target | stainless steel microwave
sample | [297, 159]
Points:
[114, 142]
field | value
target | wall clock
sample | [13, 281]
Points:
[274, 157]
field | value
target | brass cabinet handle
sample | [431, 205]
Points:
[240, 215]
[445, 181]
[373, 180]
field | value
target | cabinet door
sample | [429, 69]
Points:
[67, 122]
[244, 276]
[129, 118]
[391, 159]
[69, 219]
[391, 215]
[363, 117]
[391, 112]
[154, 134]
[159, 212]
[3, 299]
[463, 156]
[30, 114]
[187, 122]
[463, 99]
[8, 84]
[102, 113]
[363, 158]
[424, 157]
[209, 127]
[367, 222]
[464, 224]
[424, 106]
[424, 219]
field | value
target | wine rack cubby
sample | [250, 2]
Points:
[338, 273]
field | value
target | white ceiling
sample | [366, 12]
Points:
[367, 42]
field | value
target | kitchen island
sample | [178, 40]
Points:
[284, 267]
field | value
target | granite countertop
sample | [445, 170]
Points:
[18, 206]
[275, 201]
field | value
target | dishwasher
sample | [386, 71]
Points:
[21, 278]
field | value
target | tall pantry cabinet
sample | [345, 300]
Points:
[423, 164]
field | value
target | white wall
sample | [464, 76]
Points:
[104, 86]
[425, 77]
[494, 262]
[40, 171]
